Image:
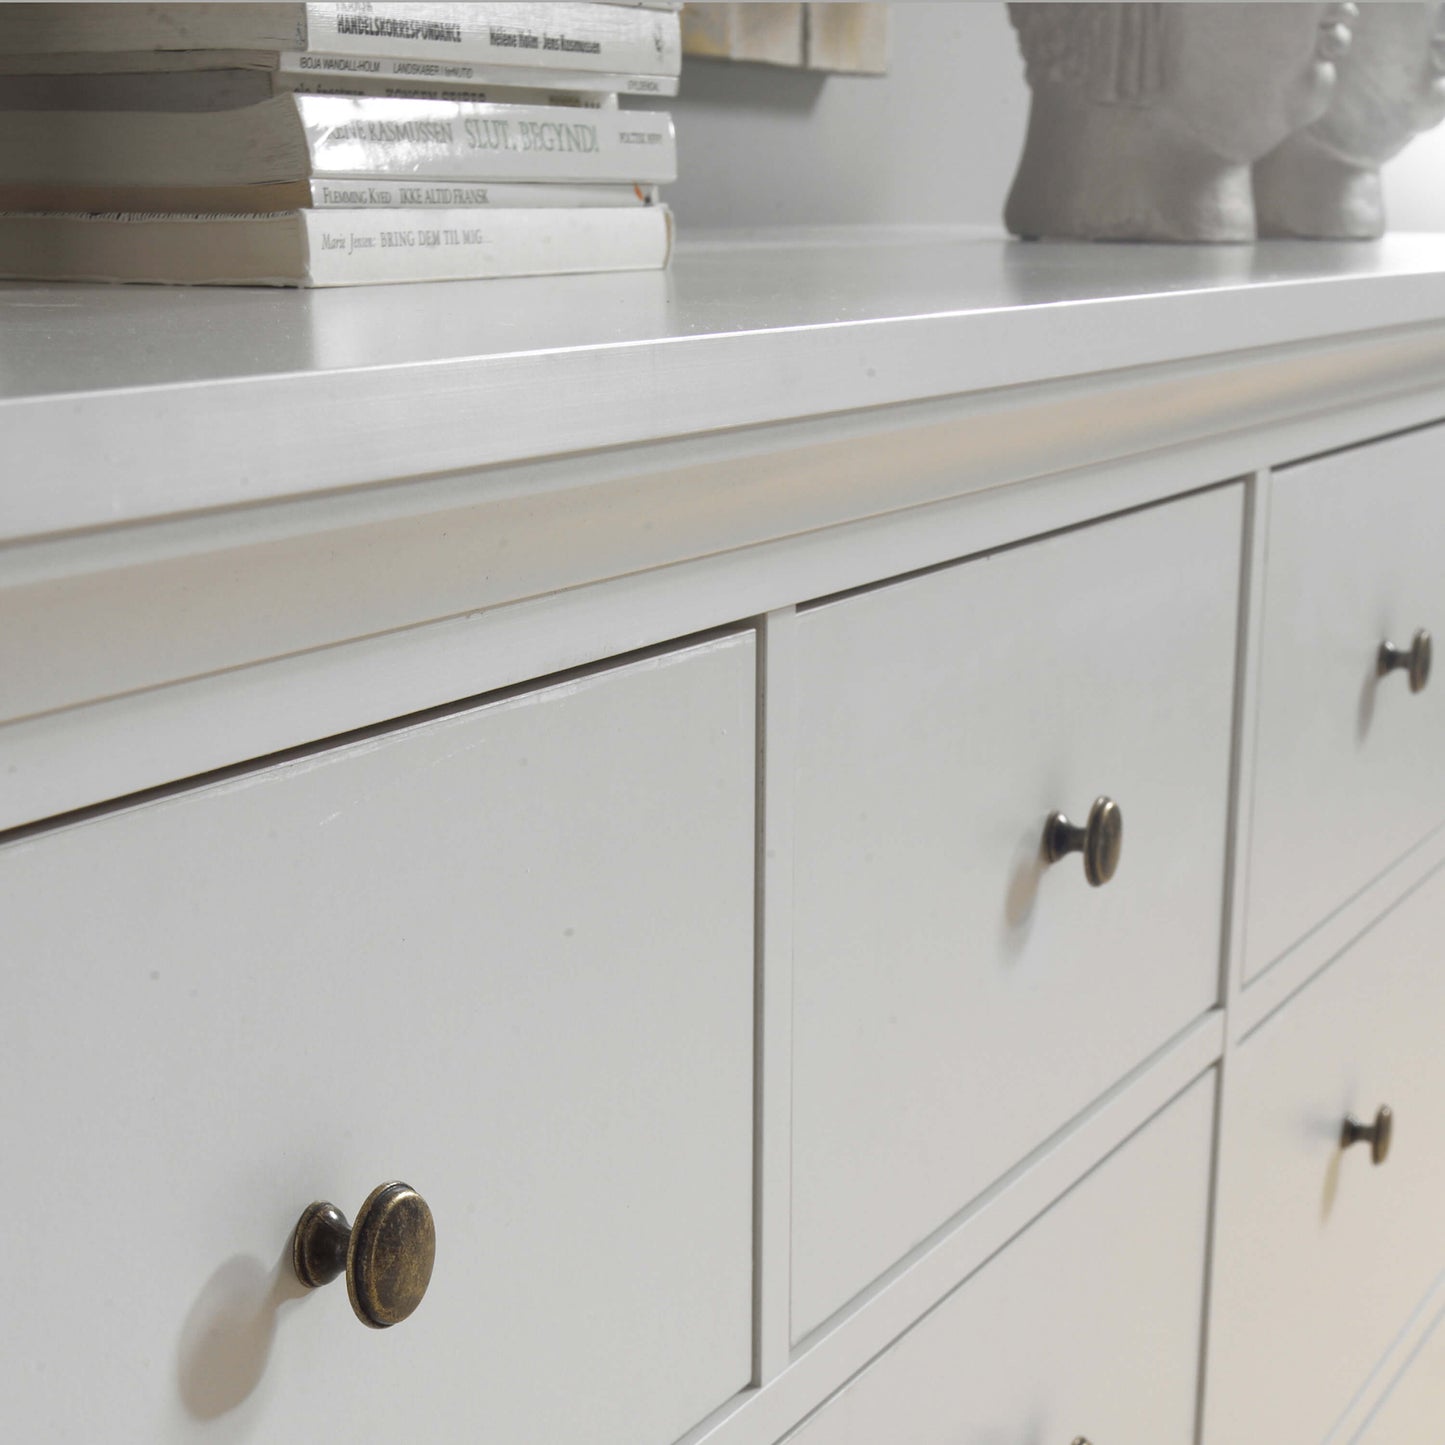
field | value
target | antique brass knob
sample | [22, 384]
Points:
[1378, 1134]
[1100, 840]
[387, 1254]
[1415, 661]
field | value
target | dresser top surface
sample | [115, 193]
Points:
[393, 381]
[66, 339]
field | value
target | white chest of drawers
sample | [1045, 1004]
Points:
[585, 747]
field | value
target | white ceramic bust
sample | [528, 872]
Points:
[1325, 180]
[1146, 118]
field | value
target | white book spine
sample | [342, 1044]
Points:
[458, 70]
[406, 73]
[367, 247]
[207, 90]
[459, 141]
[403, 88]
[572, 36]
[344, 192]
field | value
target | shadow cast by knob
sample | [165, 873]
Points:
[1025, 879]
[1365, 715]
[226, 1340]
[1331, 1191]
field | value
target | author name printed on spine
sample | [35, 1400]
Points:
[416, 238]
[506, 38]
[404, 195]
[392, 22]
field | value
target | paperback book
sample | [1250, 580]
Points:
[633, 49]
[332, 247]
[192, 90]
[304, 137]
[337, 193]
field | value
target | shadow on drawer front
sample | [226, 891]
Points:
[958, 997]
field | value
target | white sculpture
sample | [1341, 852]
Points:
[1147, 118]
[1325, 181]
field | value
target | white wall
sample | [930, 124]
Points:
[935, 140]
[1415, 185]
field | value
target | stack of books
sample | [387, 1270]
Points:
[333, 144]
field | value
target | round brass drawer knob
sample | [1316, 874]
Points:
[1377, 1134]
[1414, 660]
[387, 1255]
[1100, 840]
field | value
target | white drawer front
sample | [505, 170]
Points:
[1350, 766]
[1413, 1413]
[504, 955]
[957, 999]
[1321, 1255]
[1087, 1324]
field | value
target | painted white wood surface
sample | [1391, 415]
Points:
[777, 681]
[120, 403]
[505, 955]
[1349, 769]
[108, 612]
[150, 735]
[879, 1316]
[1281, 980]
[1088, 1323]
[1320, 1255]
[996, 392]
[956, 999]
[1389, 1371]
[270, 629]
[1413, 1413]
